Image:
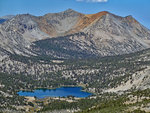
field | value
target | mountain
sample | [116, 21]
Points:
[70, 34]
[5, 18]
[106, 54]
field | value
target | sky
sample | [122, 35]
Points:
[139, 9]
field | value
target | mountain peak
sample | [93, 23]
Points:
[70, 11]
[105, 12]
[97, 15]
[66, 12]
[131, 19]
[102, 13]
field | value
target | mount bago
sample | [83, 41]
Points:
[106, 54]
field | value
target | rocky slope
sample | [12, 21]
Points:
[100, 34]
[110, 74]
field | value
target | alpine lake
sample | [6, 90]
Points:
[58, 92]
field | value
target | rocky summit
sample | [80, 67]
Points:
[70, 34]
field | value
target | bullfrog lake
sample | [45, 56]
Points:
[58, 92]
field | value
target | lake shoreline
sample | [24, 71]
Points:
[63, 91]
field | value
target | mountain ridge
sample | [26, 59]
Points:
[109, 34]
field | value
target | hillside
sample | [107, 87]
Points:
[111, 75]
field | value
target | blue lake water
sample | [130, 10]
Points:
[58, 92]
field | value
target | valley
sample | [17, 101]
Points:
[106, 54]
[88, 73]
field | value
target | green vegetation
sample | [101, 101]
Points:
[106, 103]
[98, 74]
